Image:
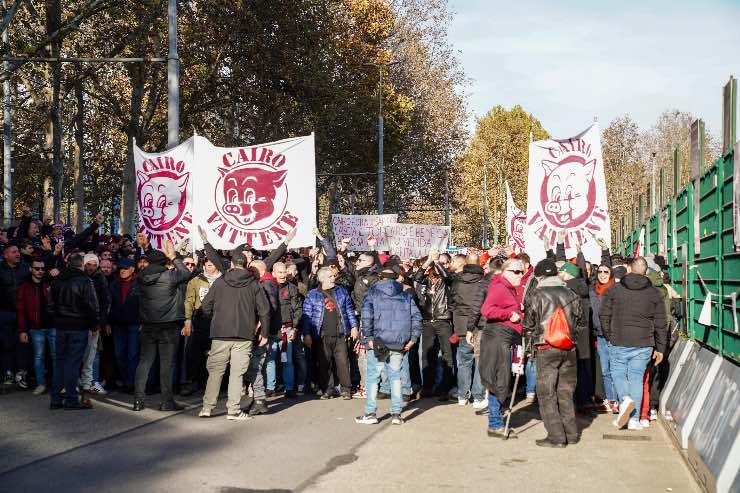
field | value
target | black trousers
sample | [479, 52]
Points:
[328, 349]
[196, 352]
[435, 336]
[556, 382]
[163, 337]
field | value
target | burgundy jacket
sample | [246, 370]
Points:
[28, 306]
[501, 301]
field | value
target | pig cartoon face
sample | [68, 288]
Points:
[249, 194]
[517, 229]
[162, 199]
[568, 192]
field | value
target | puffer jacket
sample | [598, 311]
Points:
[500, 303]
[465, 286]
[390, 314]
[235, 303]
[73, 302]
[432, 297]
[550, 294]
[160, 297]
[313, 311]
[633, 314]
[475, 320]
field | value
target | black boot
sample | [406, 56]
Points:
[546, 442]
[258, 407]
[170, 406]
[138, 405]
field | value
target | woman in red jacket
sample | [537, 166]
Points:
[502, 309]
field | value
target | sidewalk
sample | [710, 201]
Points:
[446, 448]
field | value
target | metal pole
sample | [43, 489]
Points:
[173, 79]
[381, 167]
[447, 198]
[7, 133]
[485, 205]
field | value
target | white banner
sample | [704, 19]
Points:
[567, 191]
[163, 183]
[516, 220]
[256, 194]
[359, 227]
[640, 247]
[415, 240]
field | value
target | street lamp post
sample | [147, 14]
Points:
[381, 165]
[173, 78]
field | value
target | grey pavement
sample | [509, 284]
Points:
[312, 445]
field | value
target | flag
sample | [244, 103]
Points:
[567, 192]
[516, 220]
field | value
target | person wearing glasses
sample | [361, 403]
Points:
[503, 329]
[35, 322]
[604, 282]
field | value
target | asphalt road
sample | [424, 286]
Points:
[312, 445]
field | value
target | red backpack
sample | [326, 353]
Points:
[557, 332]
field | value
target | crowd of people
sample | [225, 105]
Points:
[82, 314]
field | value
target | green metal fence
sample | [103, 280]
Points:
[694, 229]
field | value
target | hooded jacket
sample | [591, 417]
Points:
[390, 314]
[501, 301]
[465, 286]
[236, 303]
[161, 299]
[633, 314]
[551, 293]
[73, 302]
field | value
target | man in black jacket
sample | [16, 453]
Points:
[556, 366]
[464, 287]
[162, 313]
[289, 344]
[239, 311]
[74, 306]
[436, 327]
[13, 272]
[633, 319]
[124, 322]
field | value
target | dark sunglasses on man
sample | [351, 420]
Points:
[516, 271]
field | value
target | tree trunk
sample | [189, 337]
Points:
[53, 21]
[79, 158]
[128, 193]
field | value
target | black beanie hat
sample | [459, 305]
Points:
[156, 257]
[546, 268]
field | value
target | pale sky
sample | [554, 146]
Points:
[568, 61]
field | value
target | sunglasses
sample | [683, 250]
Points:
[604, 271]
[189, 264]
[517, 272]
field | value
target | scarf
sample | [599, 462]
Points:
[600, 288]
[212, 278]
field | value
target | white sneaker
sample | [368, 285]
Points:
[97, 388]
[625, 409]
[367, 419]
[39, 390]
[481, 404]
[204, 413]
[531, 398]
[241, 416]
[645, 423]
[634, 425]
[653, 415]
[462, 402]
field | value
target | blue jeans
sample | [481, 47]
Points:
[495, 420]
[39, 338]
[70, 348]
[465, 367]
[530, 372]
[628, 366]
[273, 356]
[126, 346]
[393, 370]
[405, 378]
[603, 348]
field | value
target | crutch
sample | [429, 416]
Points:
[513, 394]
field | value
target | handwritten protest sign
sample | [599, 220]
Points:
[415, 240]
[357, 228]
